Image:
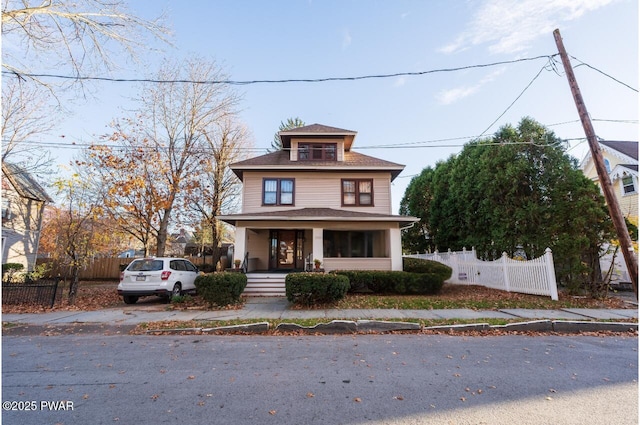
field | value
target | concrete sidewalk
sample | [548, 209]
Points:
[278, 308]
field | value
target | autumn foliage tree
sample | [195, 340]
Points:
[148, 168]
[75, 228]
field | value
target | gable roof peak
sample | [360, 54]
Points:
[315, 129]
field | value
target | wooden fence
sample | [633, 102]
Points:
[106, 268]
[535, 276]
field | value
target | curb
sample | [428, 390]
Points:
[376, 326]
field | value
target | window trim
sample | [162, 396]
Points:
[279, 191]
[311, 147]
[357, 192]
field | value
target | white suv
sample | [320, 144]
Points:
[161, 276]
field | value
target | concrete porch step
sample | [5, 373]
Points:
[265, 284]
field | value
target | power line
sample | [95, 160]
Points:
[603, 73]
[293, 80]
[518, 97]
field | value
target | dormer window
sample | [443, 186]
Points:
[317, 151]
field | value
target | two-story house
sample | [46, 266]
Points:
[316, 199]
[621, 161]
[23, 203]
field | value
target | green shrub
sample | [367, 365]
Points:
[315, 288]
[418, 265]
[11, 270]
[221, 288]
[393, 282]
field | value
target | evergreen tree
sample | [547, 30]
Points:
[517, 188]
[290, 124]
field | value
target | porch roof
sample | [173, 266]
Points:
[318, 214]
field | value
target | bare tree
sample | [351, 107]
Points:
[23, 117]
[219, 189]
[72, 36]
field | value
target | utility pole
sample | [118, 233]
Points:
[605, 182]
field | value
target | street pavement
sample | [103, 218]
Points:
[278, 308]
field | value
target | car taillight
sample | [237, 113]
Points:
[165, 275]
[121, 276]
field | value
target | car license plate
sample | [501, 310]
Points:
[140, 278]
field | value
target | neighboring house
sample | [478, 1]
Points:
[23, 203]
[316, 199]
[621, 161]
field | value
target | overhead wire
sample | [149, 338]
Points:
[603, 73]
[275, 81]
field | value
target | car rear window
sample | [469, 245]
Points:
[145, 266]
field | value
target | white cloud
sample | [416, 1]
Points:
[510, 26]
[447, 97]
[346, 39]
[400, 81]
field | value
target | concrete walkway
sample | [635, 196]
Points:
[278, 308]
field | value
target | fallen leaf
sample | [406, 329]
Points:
[463, 399]
[86, 396]
[310, 395]
[272, 412]
[357, 399]
[551, 390]
[191, 377]
[398, 397]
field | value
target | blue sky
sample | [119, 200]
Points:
[306, 39]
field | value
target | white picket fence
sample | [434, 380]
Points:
[535, 276]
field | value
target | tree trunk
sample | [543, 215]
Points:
[73, 285]
[162, 233]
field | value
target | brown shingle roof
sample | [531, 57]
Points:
[627, 148]
[317, 129]
[24, 183]
[353, 161]
[312, 214]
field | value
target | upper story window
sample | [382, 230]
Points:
[277, 191]
[357, 192]
[628, 186]
[607, 165]
[317, 151]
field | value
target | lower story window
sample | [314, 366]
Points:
[353, 244]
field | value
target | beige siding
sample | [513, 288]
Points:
[357, 264]
[317, 190]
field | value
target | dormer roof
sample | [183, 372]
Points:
[318, 131]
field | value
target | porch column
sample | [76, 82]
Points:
[318, 245]
[240, 244]
[395, 248]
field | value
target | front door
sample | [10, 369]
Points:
[286, 249]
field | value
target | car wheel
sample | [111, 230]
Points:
[129, 299]
[177, 290]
